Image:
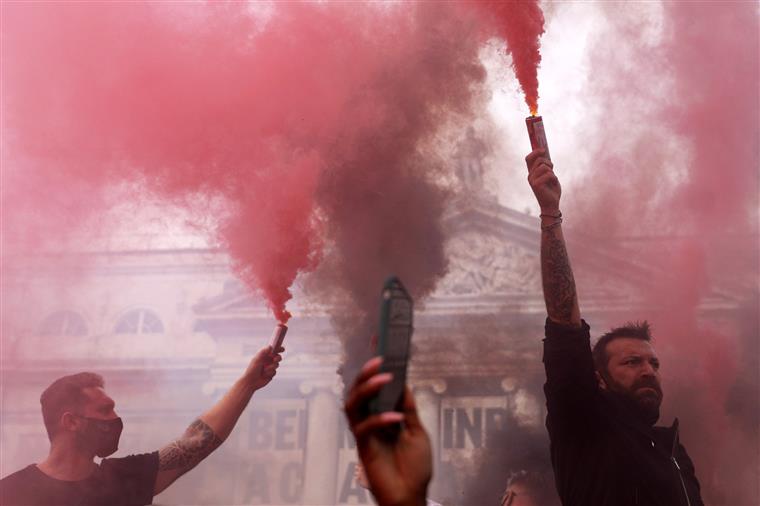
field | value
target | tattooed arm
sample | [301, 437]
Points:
[205, 434]
[557, 277]
[178, 457]
[556, 274]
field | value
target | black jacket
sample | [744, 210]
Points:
[601, 453]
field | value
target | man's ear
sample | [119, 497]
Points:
[69, 421]
[601, 382]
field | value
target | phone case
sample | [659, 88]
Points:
[394, 341]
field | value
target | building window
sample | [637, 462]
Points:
[64, 323]
[139, 321]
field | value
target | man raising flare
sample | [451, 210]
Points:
[82, 423]
[603, 404]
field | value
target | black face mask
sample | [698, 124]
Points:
[101, 437]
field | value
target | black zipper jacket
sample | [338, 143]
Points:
[601, 453]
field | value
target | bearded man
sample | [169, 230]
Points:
[602, 406]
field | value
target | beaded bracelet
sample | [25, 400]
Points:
[551, 225]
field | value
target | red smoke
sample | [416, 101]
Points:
[252, 119]
[174, 99]
[675, 162]
[520, 24]
[315, 131]
[311, 123]
[720, 202]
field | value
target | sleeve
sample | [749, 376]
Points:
[572, 393]
[136, 475]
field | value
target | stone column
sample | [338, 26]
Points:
[321, 460]
[526, 409]
[427, 394]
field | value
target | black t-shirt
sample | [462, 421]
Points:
[127, 481]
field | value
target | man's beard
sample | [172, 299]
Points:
[643, 398]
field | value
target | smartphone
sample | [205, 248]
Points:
[393, 344]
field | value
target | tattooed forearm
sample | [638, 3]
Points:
[559, 285]
[185, 453]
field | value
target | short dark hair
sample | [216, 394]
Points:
[635, 330]
[66, 394]
[540, 486]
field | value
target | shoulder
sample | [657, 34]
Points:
[19, 487]
[134, 476]
[567, 352]
[562, 331]
[141, 464]
[28, 470]
[130, 461]
[24, 475]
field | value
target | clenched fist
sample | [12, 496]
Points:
[263, 367]
[543, 182]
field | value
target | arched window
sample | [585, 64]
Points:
[139, 321]
[63, 323]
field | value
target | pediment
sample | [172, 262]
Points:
[486, 264]
[494, 264]
[494, 258]
[493, 253]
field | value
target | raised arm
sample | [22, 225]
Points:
[205, 434]
[398, 468]
[556, 274]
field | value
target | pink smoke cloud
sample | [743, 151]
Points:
[674, 164]
[284, 120]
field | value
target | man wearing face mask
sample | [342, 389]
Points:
[82, 423]
[602, 405]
